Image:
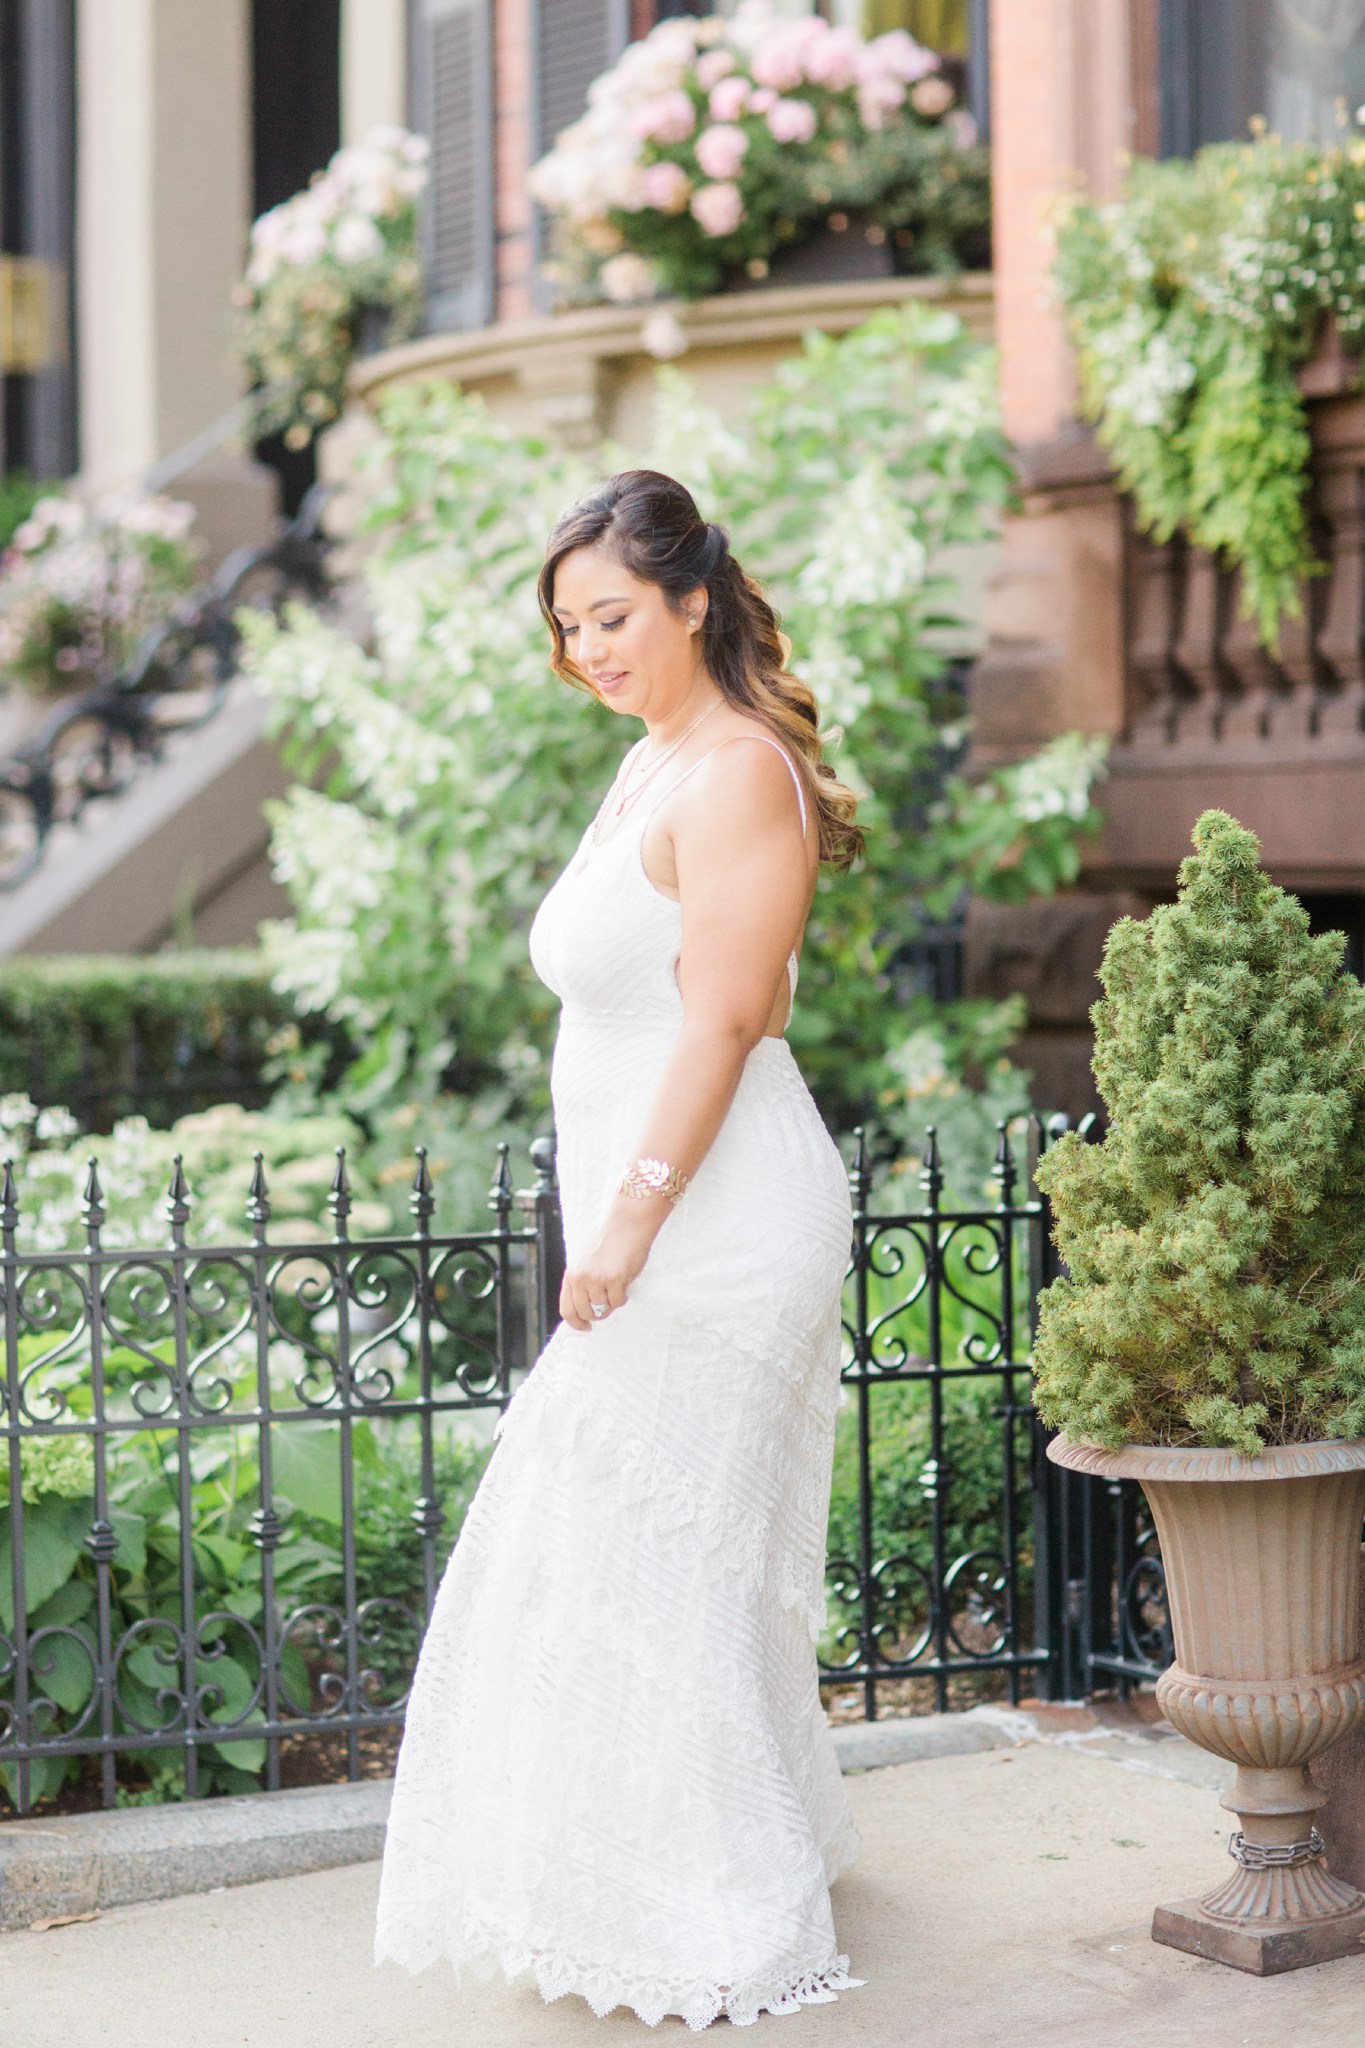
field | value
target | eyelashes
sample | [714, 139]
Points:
[607, 625]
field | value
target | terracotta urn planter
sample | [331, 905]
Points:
[1262, 1559]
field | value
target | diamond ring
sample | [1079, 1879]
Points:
[599, 1308]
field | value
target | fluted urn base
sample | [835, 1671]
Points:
[1260, 1557]
[1332, 1926]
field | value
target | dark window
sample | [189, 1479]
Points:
[1223, 61]
[576, 40]
[296, 127]
[1341, 914]
[37, 181]
[451, 95]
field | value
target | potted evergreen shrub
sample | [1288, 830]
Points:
[1207, 1338]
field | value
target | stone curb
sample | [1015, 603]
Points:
[81, 1863]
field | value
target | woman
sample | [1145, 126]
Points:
[615, 1773]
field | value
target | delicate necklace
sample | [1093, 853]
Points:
[629, 792]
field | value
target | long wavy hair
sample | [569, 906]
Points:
[651, 524]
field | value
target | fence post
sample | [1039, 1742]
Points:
[540, 1204]
[1059, 1588]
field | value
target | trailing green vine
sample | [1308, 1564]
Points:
[1192, 300]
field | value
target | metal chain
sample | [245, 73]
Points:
[1274, 1855]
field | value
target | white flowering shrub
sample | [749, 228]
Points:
[464, 771]
[345, 245]
[80, 584]
[712, 144]
[50, 1158]
[1192, 300]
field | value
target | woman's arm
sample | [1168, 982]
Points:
[744, 879]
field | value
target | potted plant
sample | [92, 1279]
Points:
[332, 273]
[715, 148]
[81, 584]
[1195, 303]
[1207, 1338]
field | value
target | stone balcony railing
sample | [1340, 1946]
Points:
[588, 375]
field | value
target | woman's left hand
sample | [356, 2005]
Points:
[604, 1275]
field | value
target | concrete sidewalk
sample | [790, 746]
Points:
[1002, 1901]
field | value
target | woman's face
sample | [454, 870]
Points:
[640, 655]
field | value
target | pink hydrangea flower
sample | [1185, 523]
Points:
[791, 120]
[832, 59]
[665, 186]
[878, 97]
[721, 150]
[779, 61]
[712, 66]
[897, 55]
[762, 99]
[932, 97]
[670, 117]
[717, 209]
[729, 99]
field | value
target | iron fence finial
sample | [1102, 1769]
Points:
[92, 1200]
[178, 1196]
[421, 1201]
[258, 1196]
[339, 1199]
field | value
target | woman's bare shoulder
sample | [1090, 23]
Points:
[751, 765]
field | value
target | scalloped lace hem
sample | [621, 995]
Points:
[697, 2004]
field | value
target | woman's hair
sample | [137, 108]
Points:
[651, 524]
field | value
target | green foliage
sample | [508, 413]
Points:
[1215, 1241]
[18, 496]
[104, 1035]
[224, 1491]
[1191, 302]
[462, 773]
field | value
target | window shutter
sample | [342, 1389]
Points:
[451, 98]
[575, 40]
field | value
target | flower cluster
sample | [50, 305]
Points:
[81, 584]
[714, 143]
[1192, 301]
[345, 246]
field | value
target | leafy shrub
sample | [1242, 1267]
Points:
[1215, 1241]
[146, 1575]
[104, 1036]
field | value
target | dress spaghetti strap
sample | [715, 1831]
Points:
[734, 740]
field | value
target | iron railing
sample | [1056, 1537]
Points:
[939, 1312]
[94, 744]
[199, 1439]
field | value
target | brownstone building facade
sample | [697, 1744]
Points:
[1092, 626]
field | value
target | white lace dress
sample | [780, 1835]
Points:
[616, 1774]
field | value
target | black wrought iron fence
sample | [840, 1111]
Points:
[233, 1472]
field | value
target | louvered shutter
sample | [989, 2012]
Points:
[575, 40]
[451, 99]
[572, 42]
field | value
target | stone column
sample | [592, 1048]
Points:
[163, 205]
[374, 66]
[1065, 107]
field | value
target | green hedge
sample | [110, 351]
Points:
[156, 1036]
